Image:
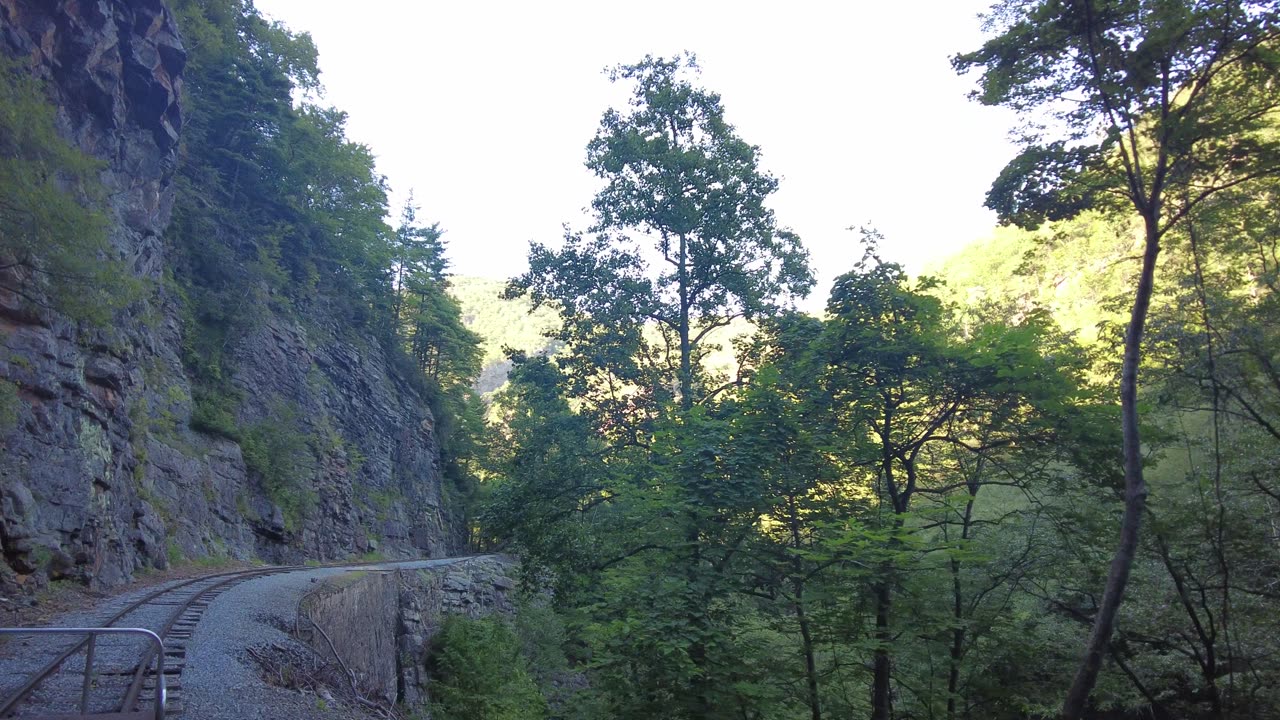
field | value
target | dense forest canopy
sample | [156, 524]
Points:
[906, 506]
[914, 497]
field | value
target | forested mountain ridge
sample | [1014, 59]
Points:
[1077, 270]
[500, 323]
[252, 363]
[510, 323]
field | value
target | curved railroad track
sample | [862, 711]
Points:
[123, 668]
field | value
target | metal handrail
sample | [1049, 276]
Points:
[93, 633]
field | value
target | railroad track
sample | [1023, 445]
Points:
[123, 677]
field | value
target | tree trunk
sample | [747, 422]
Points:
[881, 698]
[810, 661]
[957, 608]
[1135, 487]
[806, 634]
[686, 365]
[882, 669]
[1217, 537]
[698, 600]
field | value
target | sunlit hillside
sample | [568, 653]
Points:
[501, 324]
[509, 324]
[1079, 270]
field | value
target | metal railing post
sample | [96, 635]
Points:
[88, 674]
[152, 638]
[162, 693]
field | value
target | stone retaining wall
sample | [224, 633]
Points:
[381, 623]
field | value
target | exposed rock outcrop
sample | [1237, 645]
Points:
[101, 474]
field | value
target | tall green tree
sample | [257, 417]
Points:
[783, 431]
[683, 243]
[446, 351]
[417, 251]
[427, 318]
[275, 205]
[551, 474]
[1214, 352]
[1152, 106]
[925, 408]
[685, 194]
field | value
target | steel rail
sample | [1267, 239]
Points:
[139, 675]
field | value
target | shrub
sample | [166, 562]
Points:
[54, 236]
[9, 403]
[478, 673]
[279, 453]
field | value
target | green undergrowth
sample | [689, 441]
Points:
[54, 230]
[280, 454]
[505, 667]
[9, 405]
[480, 673]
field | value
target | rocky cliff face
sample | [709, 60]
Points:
[101, 475]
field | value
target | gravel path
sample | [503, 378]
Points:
[220, 682]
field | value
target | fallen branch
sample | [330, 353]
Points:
[351, 676]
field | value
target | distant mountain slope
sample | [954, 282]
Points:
[508, 323]
[502, 323]
[1075, 269]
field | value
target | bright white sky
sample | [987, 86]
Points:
[484, 108]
